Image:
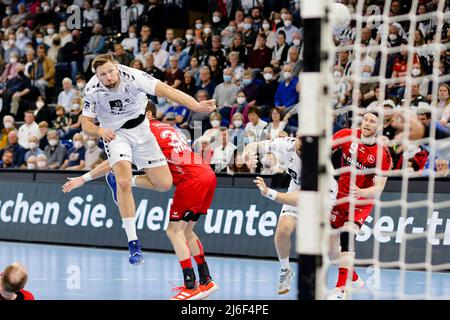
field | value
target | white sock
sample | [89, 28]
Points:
[285, 263]
[133, 181]
[130, 228]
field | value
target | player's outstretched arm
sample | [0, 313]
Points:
[290, 198]
[184, 99]
[99, 171]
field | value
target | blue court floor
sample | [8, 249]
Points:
[72, 273]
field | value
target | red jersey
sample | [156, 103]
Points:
[22, 295]
[183, 162]
[366, 159]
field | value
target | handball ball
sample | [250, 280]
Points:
[339, 17]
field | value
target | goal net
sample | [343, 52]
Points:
[391, 60]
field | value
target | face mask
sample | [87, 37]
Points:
[21, 36]
[415, 72]
[337, 74]
[80, 85]
[53, 142]
[41, 164]
[63, 29]
[248, 140]
[75, 106]
[90, 143]
[216, 19]
[287, 75]
[32, 145]
[365, 75]
[161, 100]
[8, 12]
[392, 37]
[31, 166]
[77, 144]
[240, 100]
[277, 21]
[39, 40]
[268, 76]
[227, 78]
[247, 26]
[246, 82]
[189, 37]
[11, 42]
[50, 31]
[8, 125]
[296, 42]
[198, 25]
[231, 28]
[237, 123]
[266, 26]
[13, 60]
[46, 8]
[207, 30]
[215, 123]
[287, 23]
[39, 104]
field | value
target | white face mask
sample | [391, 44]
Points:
[62, 29]
[266, 26]
[267, 76]
[21, 35]
[198, 25]
[232, 28]
[132, 35]
[32, 145]
[365, 75]
[189, 37]
[392, 37]
[81, 85]
[240, 100]
[52, 142]
[415, 72]
[11, 42]
[12, 60]
[296, 42]
[39, 104]
[337, 74]
[31, 166]
[75, 106]
[287, 75]
[41, 164]
[277, 21]
[50, 31]
[237, 123]
[77, 144]
[287, 23]
[207, 30]
[247, 26]
[8, 125]
[90, 143]
[215, 123]
[216, 19]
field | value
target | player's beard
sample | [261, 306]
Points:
[111, 85]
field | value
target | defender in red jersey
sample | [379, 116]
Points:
[361, 153]
[190, 173]
[12, 282]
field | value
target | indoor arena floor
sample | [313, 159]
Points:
[81, 273]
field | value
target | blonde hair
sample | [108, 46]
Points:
[101, 59]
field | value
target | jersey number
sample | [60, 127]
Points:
[353, 148]
[294, 176]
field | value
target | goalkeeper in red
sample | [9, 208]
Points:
[360, 153]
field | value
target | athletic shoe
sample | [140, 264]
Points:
[111, 181]
[338, 294]
[187, 294]
[208, 288]
[135, 256]
[356, 285]
[286, 277]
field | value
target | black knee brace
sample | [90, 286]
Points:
[345, 239]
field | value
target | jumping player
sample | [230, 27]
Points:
[116, 96]
[189, 173]
[361, 154]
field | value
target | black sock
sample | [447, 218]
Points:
[189, 278]
[203, 271]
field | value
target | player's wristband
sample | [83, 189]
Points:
[87, 177]
[271, 194]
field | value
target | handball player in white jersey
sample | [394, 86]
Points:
[116, 96]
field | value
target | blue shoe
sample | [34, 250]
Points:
[111, 181]
[135, 252]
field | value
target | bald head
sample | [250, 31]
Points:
[13, 278]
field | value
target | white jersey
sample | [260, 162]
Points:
[113, 108]
[284, 149]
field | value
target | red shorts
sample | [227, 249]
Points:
[341, 214]
[193, 197]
